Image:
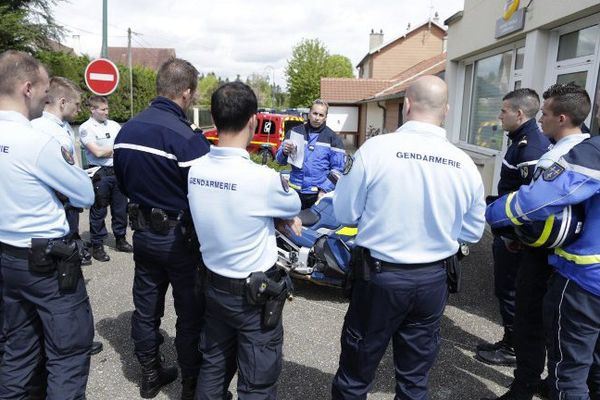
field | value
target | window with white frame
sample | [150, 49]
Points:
[487, 81]
[574, 56]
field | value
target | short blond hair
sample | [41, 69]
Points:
[62, 88]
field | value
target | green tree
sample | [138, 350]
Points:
[28, 24]
[66, 65]
[338, 66]
[206, 87]
[304, 71]
[73, 67]
[263, 90]
[309, 63]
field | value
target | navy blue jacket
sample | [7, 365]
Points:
[153, 154]
[322, 155]
[528, 144]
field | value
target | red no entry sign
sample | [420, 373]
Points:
[102, 76]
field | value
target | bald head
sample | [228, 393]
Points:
[426, 100]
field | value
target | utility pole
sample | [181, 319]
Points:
[129, 61]
[104, 51]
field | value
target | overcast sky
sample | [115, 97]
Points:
[232, 37]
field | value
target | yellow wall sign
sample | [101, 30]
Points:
[510, 8]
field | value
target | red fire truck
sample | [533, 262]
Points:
[269, 134]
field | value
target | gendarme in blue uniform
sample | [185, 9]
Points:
[532, 283]
[63, 132]
[527, 145]
[58, 128]
[152, 157]
[323, 152]
[414, 196]
[153, 168]
[572, 303]
[34, 165]
[233, 203]
[103, 134]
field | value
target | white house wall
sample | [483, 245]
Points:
[471, 38]
[374, 117]
[475, 31]
[343, 119]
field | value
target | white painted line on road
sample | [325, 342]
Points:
[101, 77]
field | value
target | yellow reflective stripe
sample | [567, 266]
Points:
[508, 211]
[545, 232]
[294, 186]
[347, 231]
[582, 260]
[253, 142]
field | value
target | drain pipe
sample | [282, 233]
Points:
[383, 130]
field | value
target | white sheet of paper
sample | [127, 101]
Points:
[296, 158]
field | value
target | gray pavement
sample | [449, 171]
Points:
[312, 323]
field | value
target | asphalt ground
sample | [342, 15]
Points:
[312, 323]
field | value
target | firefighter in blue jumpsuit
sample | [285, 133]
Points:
[38, 302]
[323, 152]
[572, 302]
[234, 203]
[152, 157]
[527, 144]
[414, 196]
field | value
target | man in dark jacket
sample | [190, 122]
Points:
[152, 156]
[527, 144]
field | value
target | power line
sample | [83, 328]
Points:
[86, 31]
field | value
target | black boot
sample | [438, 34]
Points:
[518, 392]
[87, 256]
[499, 353]
[188, 387]
[154, 376]
[97, 347]
[123, 245]
[99, 254]
[542, 390]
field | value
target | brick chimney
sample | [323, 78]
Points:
[375, 39]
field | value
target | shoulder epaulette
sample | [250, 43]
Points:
[522, 142]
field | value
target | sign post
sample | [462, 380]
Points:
[102, 77]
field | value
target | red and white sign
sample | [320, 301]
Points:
[102, 76]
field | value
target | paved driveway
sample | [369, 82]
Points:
[312, 323]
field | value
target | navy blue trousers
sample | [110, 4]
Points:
[233, 339]
[572, 320]
[108, 189]
[38, 318]
[73, 220]
[506, 265]
[161, 260]
[308, 199]
[405, 306]
[529, 338]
